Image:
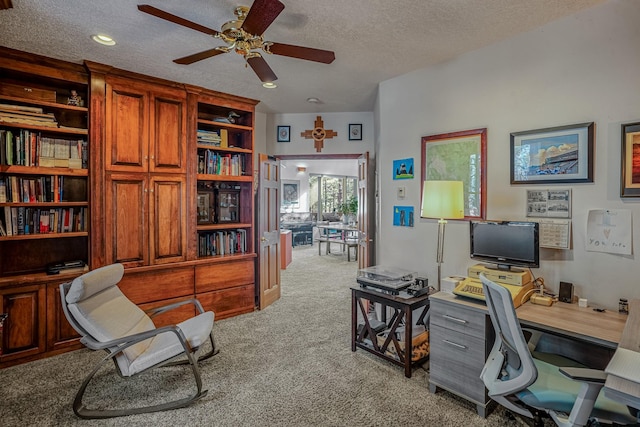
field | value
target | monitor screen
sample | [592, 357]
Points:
[505, 243]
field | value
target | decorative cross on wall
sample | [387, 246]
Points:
[318, 134]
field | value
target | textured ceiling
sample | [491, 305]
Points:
[374, 40]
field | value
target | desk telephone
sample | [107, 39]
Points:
[519, 284]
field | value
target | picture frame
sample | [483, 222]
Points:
[403, 169]
[403, 216]
[553, 155]
[204, 209]
[549, 203]
[630, 167]
[284, 134]
[355, 132]
[290, 193]
[459, 156]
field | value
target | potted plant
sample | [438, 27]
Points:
[349, 210]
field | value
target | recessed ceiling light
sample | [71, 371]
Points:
[314, 100]
[103, 39]
[269, 85]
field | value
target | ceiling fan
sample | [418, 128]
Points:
[244, 36]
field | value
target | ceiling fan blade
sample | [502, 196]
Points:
[175, 19]
[300, 52]
[262, 69]
[261, 15]
[198, 56]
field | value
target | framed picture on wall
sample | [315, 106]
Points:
[630, 170]
[290, 192]
[284, 133]
[403, 169]
[355, 132]
[550, 203]
[459, 156]
[553, 155]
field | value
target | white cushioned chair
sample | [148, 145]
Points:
[107, 320]
[532, 387]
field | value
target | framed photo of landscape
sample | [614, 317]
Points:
[459, 156]
[630, 169]
[553, 155]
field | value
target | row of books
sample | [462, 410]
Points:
[216, 138]
[21, 220]
[20, 114]
[18, 189]
[213, 163]
[28, 148]
[226, 242]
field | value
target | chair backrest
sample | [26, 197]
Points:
[623, 376]
[100, 312]
[509, 367]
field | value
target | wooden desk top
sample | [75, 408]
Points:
[581, 322]
[570, 320]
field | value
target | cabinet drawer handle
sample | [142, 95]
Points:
[464, 347]
[455, 319]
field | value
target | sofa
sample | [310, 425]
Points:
[301, 225]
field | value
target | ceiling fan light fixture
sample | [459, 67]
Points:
[313, 100]
[269, 85]
[103, 39]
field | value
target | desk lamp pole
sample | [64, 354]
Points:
[442, 200]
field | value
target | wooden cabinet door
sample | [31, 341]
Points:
[127, 126]
[168, 210]
[24, 328]
[126, 219]
[168, 131]
[60, 334]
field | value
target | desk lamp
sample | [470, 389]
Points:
[442, 200]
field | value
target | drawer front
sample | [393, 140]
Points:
[458, 318]
[224, 275]
[229, 302]
[157, 285]
[456, 361]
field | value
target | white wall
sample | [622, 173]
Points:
[338, 122]
[337, 167]
[579, 69]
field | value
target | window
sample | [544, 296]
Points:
[327, 193]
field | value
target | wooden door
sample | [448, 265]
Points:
[126, 219]
[127, 126]
[168, 131]
[60, 333]
[24, 329]
[269, 231]
[366, 209]
[168, 211]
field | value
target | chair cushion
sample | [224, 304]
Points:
[109, 315]
[94, 281]
[166, 345]
[552, 390]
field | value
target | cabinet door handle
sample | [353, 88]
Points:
[455, 319]
[463, 347]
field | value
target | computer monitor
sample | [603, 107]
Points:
[505, 243]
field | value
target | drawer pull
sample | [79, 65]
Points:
[464, 347]
[455, 319]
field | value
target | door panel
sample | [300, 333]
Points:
[24, 328]
[168, 132]
[127, 128]
[168, 221]
[365, 212]
[126, 221]
[269, 231]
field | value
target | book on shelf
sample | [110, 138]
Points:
[24, 220]
[227, 242]
[29, 148]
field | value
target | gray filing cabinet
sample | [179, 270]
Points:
[461, 336]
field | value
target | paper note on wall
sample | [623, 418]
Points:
[609, 231]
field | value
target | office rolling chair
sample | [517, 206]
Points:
[107, 320]
[531, 387]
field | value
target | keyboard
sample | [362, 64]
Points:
[472, 288]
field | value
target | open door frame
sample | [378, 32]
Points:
[366, 199]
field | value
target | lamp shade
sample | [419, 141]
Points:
[442, 200]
